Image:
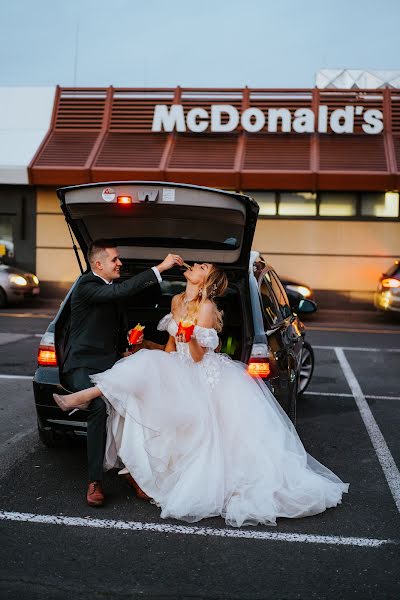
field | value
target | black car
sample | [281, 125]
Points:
[387, 296]
[148, 219]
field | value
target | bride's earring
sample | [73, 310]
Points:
[200, 293]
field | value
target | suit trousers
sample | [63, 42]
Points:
[77, 380]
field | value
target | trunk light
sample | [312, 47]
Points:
[259, 368]
[47, 357]
[124, 199]
[259, 365]
[390, 283]
[47, 353]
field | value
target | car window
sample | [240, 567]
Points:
[268, 301]
[280, 294]
[394, 270]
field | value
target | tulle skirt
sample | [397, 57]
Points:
[205, 439]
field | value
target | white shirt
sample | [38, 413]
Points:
[156, 272]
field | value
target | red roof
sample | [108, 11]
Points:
[104, 134]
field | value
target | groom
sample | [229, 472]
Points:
[94, 341]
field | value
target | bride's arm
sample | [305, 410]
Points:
[206, 318]
[170, 346]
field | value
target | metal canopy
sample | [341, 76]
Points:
[100, 134]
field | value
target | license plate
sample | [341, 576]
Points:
[36, 291]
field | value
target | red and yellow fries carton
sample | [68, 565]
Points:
[135, 334]
[186, 328]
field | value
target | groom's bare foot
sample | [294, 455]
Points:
[95, 494]
[139, 492]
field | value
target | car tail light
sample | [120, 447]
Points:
[390, 283]
[124, 199]
[47, 352]
[259, 365]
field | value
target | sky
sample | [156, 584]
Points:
[203, 43]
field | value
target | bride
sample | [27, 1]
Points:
[200, 436]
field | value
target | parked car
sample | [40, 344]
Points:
[387, 295]
[148, 219]
[16, 285]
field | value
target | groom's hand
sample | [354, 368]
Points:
[170, 261]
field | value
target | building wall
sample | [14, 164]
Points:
[345, 256]
[56, 264]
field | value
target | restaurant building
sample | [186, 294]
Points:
[323, 164]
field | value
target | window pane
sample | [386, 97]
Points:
[268, 300]
[281, 296]
[394, 270]
[6, 237]
[338, 204]
[266, 202]
[380, 204]
[298, 204]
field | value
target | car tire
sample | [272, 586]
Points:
[306, 368]
[3, 298]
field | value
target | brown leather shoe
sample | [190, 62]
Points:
[139, 492]
[95, 494]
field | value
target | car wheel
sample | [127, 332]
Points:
[306, 368]
[3, 298]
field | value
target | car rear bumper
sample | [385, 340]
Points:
[50, 416]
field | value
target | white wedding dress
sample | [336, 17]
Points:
[205, 439]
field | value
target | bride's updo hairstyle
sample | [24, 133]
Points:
[215, 285]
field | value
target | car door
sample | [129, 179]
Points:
[284, 338]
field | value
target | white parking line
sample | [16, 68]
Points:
[189, 530]
[383, 453]
[18, 437]
[339, 395]
[16, 377]
[356, 348]
[11, 338]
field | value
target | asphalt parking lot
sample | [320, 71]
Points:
[54, 546]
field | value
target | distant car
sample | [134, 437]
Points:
[16, 285]
[387, 295]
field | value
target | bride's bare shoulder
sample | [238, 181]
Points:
[175, 301]
[207, 314]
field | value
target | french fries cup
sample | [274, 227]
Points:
[186, 328]
[135, 334]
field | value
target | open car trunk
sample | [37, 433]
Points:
[148, 219]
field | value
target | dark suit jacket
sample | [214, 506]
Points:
[96, 320]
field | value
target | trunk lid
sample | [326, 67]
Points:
[202, 224]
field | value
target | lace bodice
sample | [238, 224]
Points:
[206, 336]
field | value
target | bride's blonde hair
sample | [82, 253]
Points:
[215, 285]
